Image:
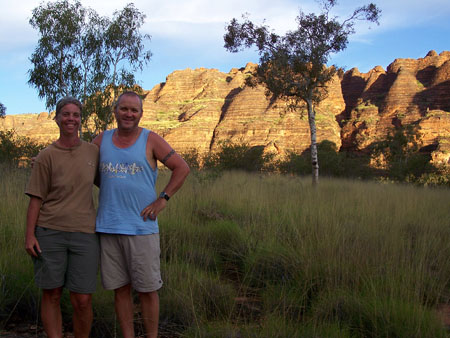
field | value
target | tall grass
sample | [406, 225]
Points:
[248, 255]
[18, 294]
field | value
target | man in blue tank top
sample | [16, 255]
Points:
[128, 209]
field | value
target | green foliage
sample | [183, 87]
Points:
[296, 164]
[440, 176]
[231, 156]
[192, 296]
[293, 66]
[271, 264]
[333, 163]
[16, 149]
[370, 316]
[2, 110]
[401, 150]
[84, 55]
[405, 162]
[192, 158]
[55, 72]
[344, 259]
[239, 156]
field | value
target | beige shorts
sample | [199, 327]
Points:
[127, 259]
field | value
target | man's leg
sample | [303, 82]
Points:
[123, 304]
[150, 312]
[51, 312]
[82, 314]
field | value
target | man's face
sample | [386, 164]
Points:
[128, 112]
[69, 119]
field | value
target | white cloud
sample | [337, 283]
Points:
[163, 17]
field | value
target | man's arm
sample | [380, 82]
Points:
[97, 141]
[159, 149]
[31, 243]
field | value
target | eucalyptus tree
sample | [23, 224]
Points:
[56, 70]
[82, 54]
[293, 66]
[123, 54]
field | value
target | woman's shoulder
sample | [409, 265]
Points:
[90, 146]
[46, 152]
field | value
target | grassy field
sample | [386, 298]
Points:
[249, 255]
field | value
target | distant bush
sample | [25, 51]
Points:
[332, 163]
[231, 156]
[439, 177]
[405, 161]
[192, 158]
[2, 110]
[16, 149]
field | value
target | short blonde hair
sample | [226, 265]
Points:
[67, 100]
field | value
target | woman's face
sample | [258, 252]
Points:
[69, 119]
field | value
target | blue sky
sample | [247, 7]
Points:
[189, 34]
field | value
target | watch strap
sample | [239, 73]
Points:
[164, 195]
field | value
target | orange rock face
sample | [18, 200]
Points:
[410, 92]
[199, 109]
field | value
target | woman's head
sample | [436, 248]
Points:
[67, 100]
[68, 116]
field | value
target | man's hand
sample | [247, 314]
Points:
[32, 245]
[152, 210]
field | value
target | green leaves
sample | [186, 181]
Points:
[87, 56]
[292, 66]
[2, 110]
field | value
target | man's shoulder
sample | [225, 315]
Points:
[98, 139]
[153, 135]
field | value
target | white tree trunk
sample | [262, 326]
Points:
[312, 130]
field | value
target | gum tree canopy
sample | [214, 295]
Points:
[84, 55]
[293, 66]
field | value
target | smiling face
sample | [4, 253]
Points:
[128, 112]
[69, 119]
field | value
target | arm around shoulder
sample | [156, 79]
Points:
[98, 139]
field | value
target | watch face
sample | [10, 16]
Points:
[164, 195]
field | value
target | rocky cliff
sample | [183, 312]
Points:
[201, 108]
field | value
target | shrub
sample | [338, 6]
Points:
[238, 156]
[191, 296]
[16, 149]
[372, 315]
[271, 264]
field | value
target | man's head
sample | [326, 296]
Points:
[128, 111]
[129, 93]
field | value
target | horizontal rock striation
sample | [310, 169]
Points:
[201, 108]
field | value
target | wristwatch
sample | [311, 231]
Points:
[164, 195]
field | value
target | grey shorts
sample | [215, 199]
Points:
[127, 259]
[68, 259]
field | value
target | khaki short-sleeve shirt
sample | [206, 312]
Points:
[63, 178]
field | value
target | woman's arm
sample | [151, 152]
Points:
[31, 243]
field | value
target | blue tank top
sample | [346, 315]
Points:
[127, 186]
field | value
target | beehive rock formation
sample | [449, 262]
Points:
[199, 109]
